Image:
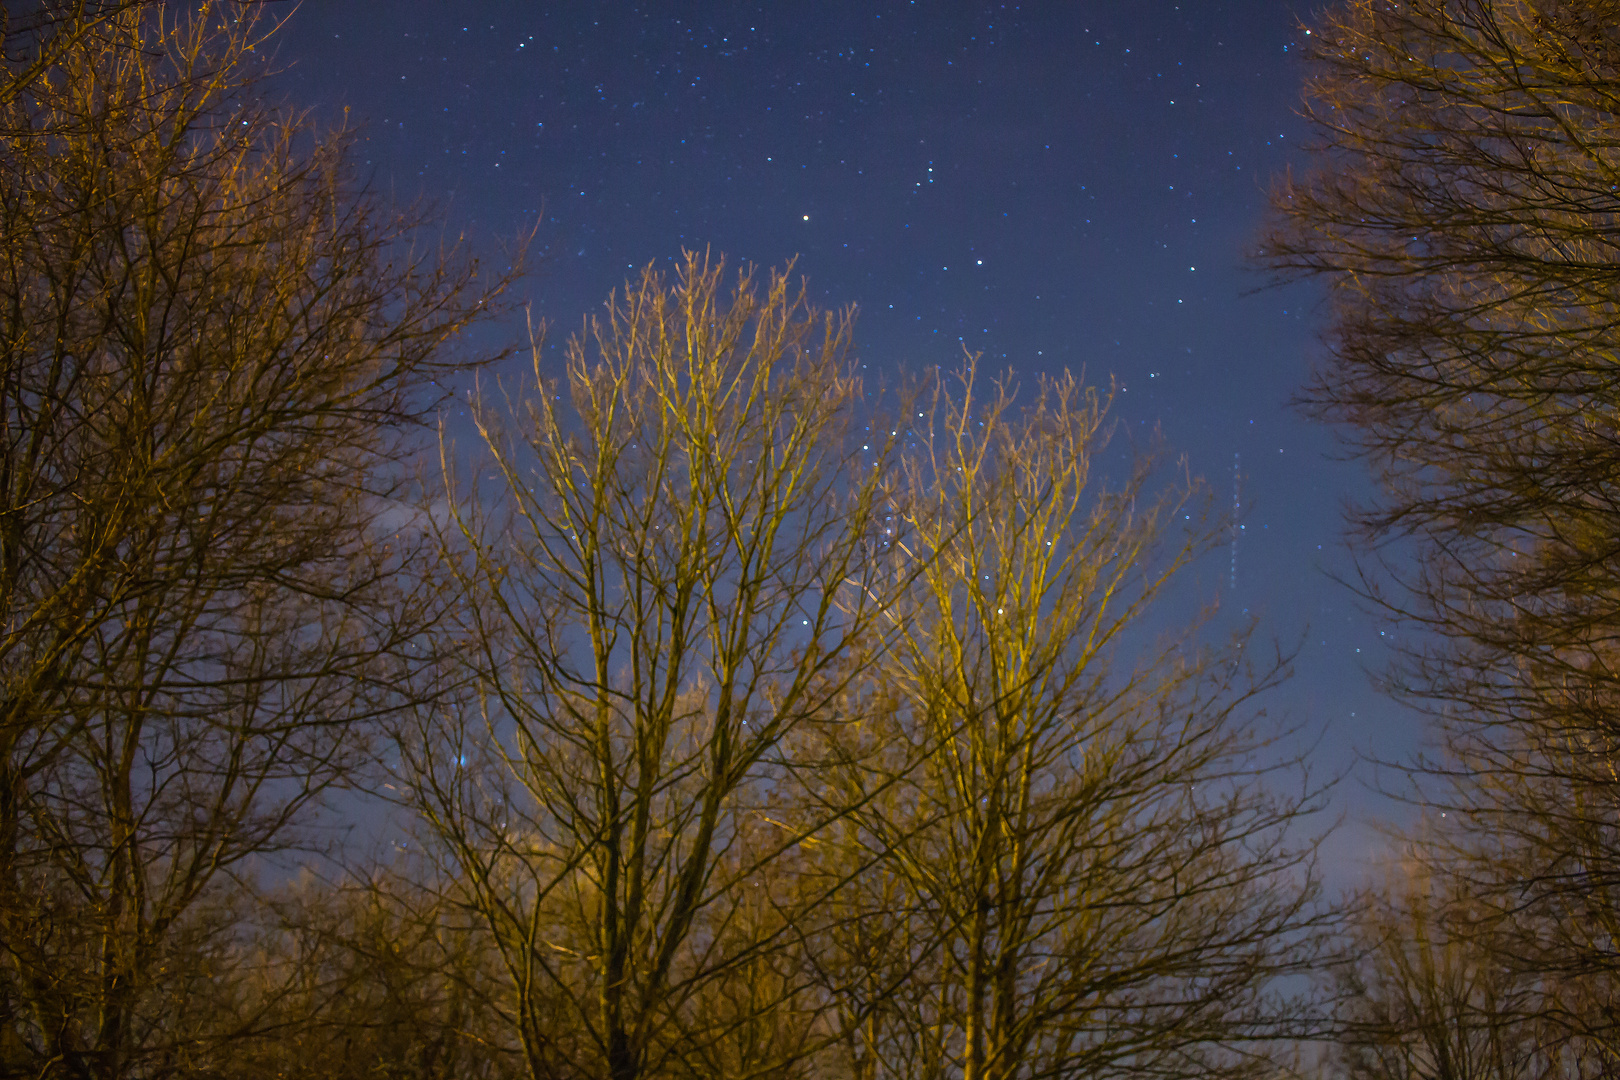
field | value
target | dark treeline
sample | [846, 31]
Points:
[742, 720]
[1463, 209]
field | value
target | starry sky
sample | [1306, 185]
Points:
[1059, 184]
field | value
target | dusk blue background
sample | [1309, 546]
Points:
[1055, 185]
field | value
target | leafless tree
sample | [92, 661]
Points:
[664, 567]
[370, 977]
[212, 352]
[1086, 873]
[1464, 211]
[1421, 997]
[37, 35]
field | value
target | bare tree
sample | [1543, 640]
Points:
[1463, 213]
[211, 355]
[1086, 874]
[663, 578]
[370, 978]
[37, 35]
[1421, 997]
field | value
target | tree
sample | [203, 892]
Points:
[661, 584]
[369, 978]
[1084, 873]
[1421, 997]
[212, 353]
[36, 37]
[1462, 214]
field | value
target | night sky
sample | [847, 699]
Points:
[1064, 184]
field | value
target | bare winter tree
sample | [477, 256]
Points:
[368, 978]
[1464, 212]
[37, 35]
[664, 575]
[1086, 874]
[211, 355]
[1422, 997]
